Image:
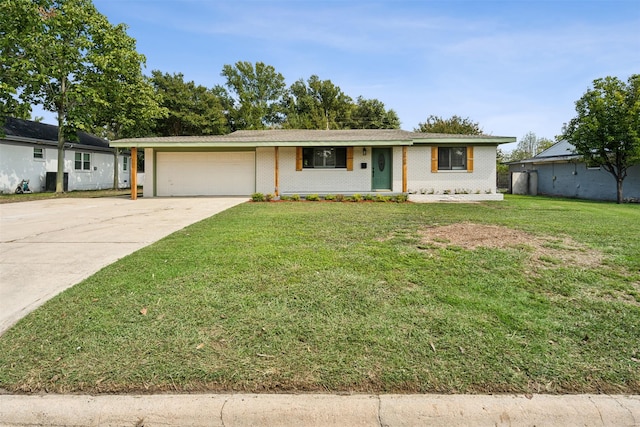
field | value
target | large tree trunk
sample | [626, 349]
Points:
[619, 193]
[115, 169]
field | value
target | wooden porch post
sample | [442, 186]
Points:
[277, 177]
[134, 173]
[404, 168]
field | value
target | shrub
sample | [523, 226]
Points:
[313, 197]
[257, 197]
[401, 198]
[339, 197]
[368, 197]
[356, 197]
[329, 197]
[285, 198]
[295, 197]
[269, 197]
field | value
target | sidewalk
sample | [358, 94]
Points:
[233, 410]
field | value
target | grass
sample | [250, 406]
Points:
[346, 297]
[15, 198]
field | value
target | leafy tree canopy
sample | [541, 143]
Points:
[606, 129]
[65, 56]
[454, 125]
[191, 109]
[316, 104]
[319, 104]
[529, 146]
[257, 92]
[371, 114]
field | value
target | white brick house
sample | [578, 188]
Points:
[320, 162]
[29, 150]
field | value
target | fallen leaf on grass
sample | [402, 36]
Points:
[199, 346]
[433, 347]
[265, 355]
[143, 311]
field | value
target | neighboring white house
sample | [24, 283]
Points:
[28, 150]
[321, 162]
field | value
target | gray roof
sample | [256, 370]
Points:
[559, 152]
[298, 137]
[41, 133]
[559, 149]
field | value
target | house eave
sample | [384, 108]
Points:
[226, 142]
[465, 139]
[543, 160]
[53, 144]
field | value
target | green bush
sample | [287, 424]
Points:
[381, 198]
[356, 197]
[313, 197]
[329, 197]
[368, 197]
[285, 198]
[295, 197]
[401, 198]
[269, 197]
[339, 197]
[257, 197]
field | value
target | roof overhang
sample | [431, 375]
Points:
[309, 138]
[542, 160]
[21, 140]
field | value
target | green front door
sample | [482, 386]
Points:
[381, 169]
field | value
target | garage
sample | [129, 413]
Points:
[205, 173]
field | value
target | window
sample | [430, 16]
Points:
[82, 162]
[125, 163]
[38, 153]
[452, 158]
[324, 157]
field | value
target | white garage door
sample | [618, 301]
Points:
[206, 174]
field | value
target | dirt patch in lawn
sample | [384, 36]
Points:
[545, 250]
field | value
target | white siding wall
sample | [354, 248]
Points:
[17, 163]
[420, 178]
[100, 176]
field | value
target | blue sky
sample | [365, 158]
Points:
[513, 66]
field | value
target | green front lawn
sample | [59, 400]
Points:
[362, 297]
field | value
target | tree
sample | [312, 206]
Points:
[67, 57]
[371, 114]
[258, 94]
[318, 105]
[529, 146]
[606, 130]
[454, 125]
[191, 109]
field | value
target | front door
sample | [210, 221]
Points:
[381, 169]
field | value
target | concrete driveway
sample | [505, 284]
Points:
[48, 246]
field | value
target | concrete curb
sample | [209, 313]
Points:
[233, 410]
